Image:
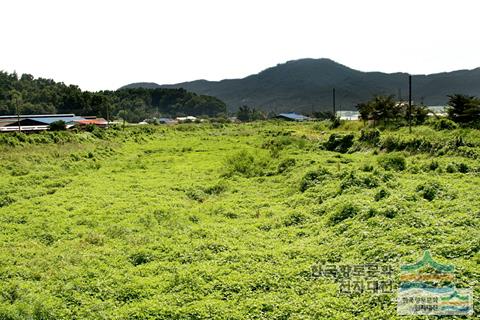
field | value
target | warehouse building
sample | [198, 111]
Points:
[32, 123]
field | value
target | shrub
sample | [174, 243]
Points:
[6, 201]
[244, 163]
[393, 161]
[368, 181]
[197, 195]
[279, 142]
[416, 144]
[312, 178]
[346, 212]
[381, 194]
[286, 165]
[294, 219]
[194, 219]
[370, 136]
[367, 168]
[140, 258]
[433, 165]
[162, 215]
[430, 190]
[59, 125]
[339, 143]
[463, 167]
[335, 123]
[216, 189]
[91, 127]
[451, 168]
[392, 211]
[444, 124]
[458, 167]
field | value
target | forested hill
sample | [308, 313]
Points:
[306, 84]
[41, 96]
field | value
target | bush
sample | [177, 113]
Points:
[367, 168]
[140, 258]
[91, 127]
[368, 181]
[59, 125]
[245, 164]
[334, 123]
[381, 194]
[216, 189]
[346, 212]
[433, 165]
[312, 178]
[393, 161]
[451, 168]
[463, 168]
[458, 167]
[294, 219]
[286, 165]
[339, 143]
[370, 136]
[444, 124]
[6, 201]
[197, 195]
[430, 190]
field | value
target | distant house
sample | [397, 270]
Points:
[439, 111]
[99, 122]
[167, 121]
[292, 116]
[31, 123]
[158, 121]
[348, 115]
[186, 119]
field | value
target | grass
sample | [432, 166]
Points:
[225, 222]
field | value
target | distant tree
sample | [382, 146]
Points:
[464, 109]
[244, 113]
[386, 109]
[419, 114]
[366, 110]
[258, 115]
[59, 125]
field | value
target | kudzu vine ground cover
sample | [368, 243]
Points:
[203, 221]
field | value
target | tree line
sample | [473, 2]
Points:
[42, 96]
[386, 110]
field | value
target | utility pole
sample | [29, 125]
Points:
[17, 109]
[333, 97]
[410, 103]
[108, 116]
[124, 113]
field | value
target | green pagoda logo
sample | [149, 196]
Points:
[427, 287]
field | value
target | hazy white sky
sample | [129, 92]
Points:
[100, 44]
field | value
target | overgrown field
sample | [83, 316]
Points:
[226, 221]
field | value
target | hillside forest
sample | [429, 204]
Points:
[41, 96]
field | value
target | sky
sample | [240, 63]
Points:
[103, 45]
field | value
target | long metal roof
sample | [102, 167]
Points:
[53, 119]
[293, 116]
[30, 116]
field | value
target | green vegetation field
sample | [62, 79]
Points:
[207, 221]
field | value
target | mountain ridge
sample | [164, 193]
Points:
[306, 84]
